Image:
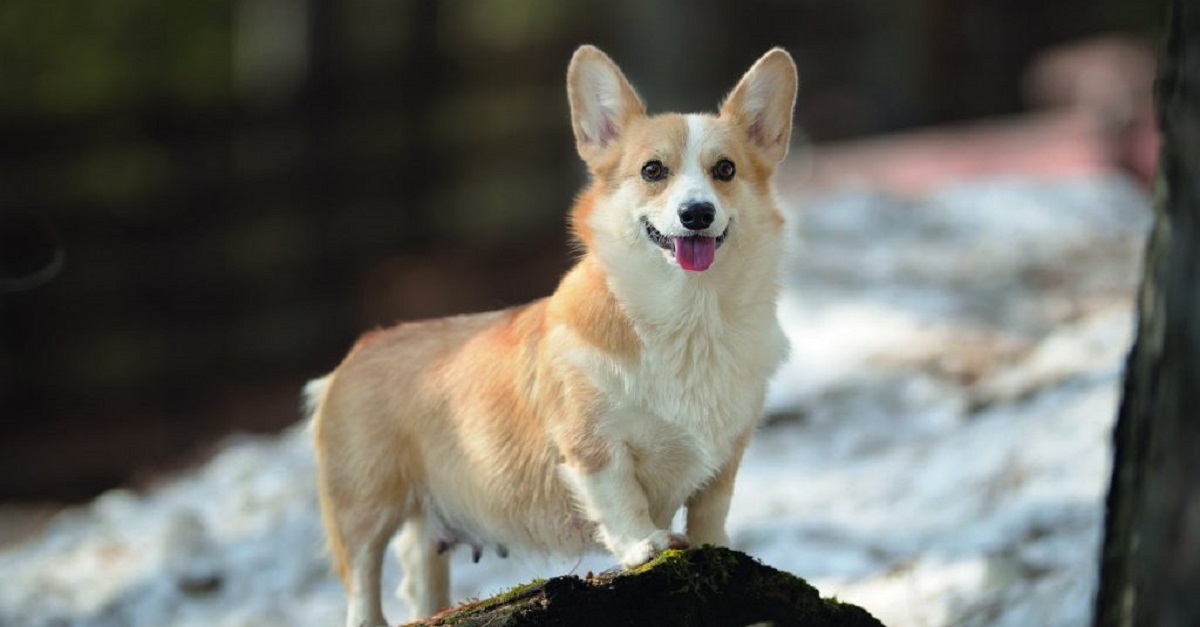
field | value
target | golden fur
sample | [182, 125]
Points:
[588, 418]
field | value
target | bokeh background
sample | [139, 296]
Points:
[202, 202]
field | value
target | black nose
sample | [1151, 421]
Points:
[697, 215]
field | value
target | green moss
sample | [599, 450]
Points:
[702, 586]
[670, 558]
[472, 609]
[516, 591]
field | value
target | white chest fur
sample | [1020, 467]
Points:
[695, 389]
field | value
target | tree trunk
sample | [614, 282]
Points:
[1150, 567]
[709, 587]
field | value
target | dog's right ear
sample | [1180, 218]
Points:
[603, 103]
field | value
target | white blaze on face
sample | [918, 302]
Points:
[691, 184]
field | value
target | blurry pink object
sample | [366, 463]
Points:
[1095, 114]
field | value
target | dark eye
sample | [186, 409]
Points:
[654, 170]
[724, 170]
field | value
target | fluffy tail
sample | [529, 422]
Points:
[314, 395]
[314, 401]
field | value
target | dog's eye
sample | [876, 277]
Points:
[724, 170]
[654, 170]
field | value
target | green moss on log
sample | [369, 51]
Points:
[704, 587]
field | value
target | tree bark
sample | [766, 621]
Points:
[1150, 566]
[709, 587]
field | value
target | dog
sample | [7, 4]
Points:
[588, 418]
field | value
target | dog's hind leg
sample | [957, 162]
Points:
[425, 585]
[359, 520]
[365, 548]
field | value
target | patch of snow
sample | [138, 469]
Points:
[938, 450]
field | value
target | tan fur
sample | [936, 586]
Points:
[589, 417]
[586, 306]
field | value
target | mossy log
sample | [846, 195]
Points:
[709, 586]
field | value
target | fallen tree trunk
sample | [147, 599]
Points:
[710, 587]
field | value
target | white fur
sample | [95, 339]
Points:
[366, 567]
[710, 342]
[426, 583]
[616, 432]
[314, 391]
[693, 183]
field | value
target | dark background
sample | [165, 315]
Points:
[203, 202]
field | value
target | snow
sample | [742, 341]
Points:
[937, 449]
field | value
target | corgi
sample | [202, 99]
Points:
[587, 419]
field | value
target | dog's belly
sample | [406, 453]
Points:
[496, 505]
[572, 535]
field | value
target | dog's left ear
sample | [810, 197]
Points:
[762, 103]
[603, 103]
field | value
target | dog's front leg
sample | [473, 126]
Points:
[614, 499]
[709, 506]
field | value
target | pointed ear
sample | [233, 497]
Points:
[762, 103]
[603, 103]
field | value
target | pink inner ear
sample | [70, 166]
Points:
[606, 131]
[756, 133]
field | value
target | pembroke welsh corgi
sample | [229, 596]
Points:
[586, 419]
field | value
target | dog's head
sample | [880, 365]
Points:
[679, 187]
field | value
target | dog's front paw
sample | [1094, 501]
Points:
[645, 549]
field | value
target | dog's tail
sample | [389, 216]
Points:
[315, 392]
[314, 396]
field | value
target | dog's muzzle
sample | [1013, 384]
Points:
[693, 252]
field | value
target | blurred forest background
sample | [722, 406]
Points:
[203, 202]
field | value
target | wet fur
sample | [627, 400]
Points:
[586, 419]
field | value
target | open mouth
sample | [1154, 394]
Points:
[693, 252]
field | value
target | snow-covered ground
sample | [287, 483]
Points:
[937, 452]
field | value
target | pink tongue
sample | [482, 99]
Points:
[695, 253]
